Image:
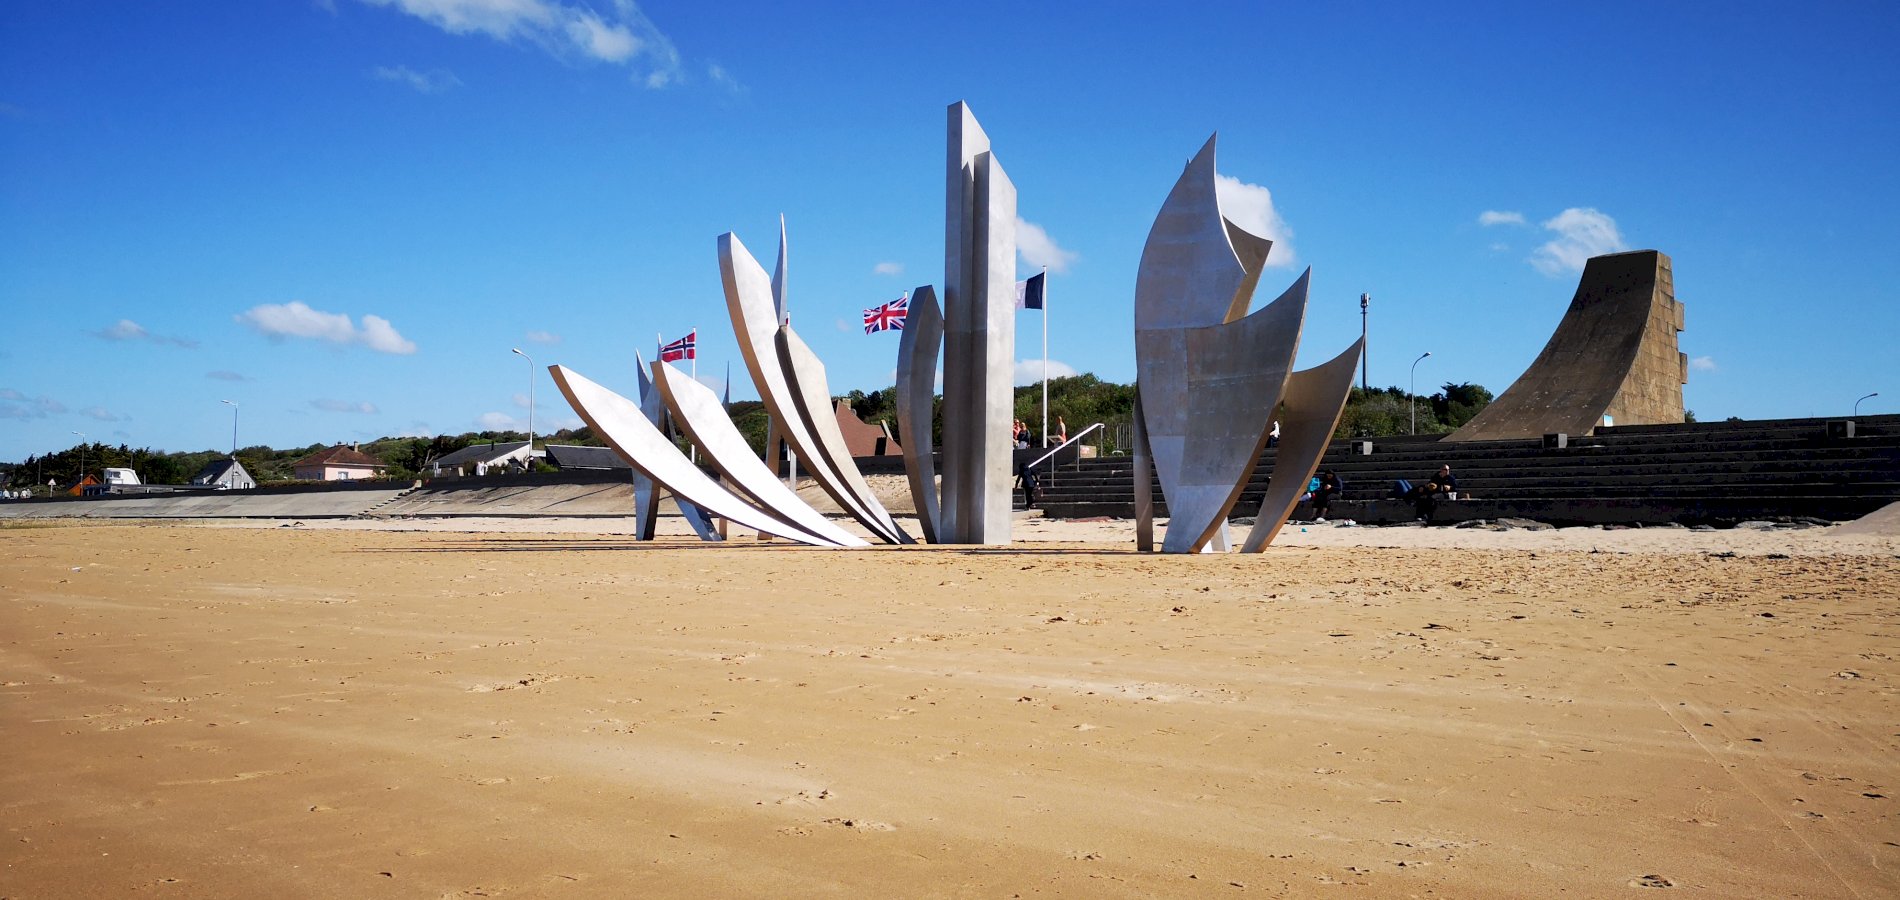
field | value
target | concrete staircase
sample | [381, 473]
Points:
[1702, 473]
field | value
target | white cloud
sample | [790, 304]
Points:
[521, 399]
[345, 406]
[434, 81]
[888, 268]
[15, 405]
[1251, 207]
[499, 421]
[1500, 247]
[1492, 217]
[543, 337]
[128, 330]
[1703, 364]
[417, 430]
[1037, 248]
[295, 319]
[1581, 234]
[380, 336]
[719, 75]
[622, 36]
[845, 326]
[1029, 371]
[101, 414]
[227, 375]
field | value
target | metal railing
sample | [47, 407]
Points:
[1059, 448]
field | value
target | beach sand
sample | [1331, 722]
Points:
[440, 708]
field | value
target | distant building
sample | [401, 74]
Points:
[862, 438]
[482, 459]
[573, 457]
[225, 474]
[338, 463]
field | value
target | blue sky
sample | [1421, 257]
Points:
[343, 215]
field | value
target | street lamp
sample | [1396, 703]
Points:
[1412, 392]
[82, 461]
[530, 360]
[1868, 397]
[234, 412]
[1365, 354]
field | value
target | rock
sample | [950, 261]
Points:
[1526, 524]
[1702, 528]
[1811, 520]
[1473, 523]
[1755, 525]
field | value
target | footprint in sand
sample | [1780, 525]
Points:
[491, 781]
[860, 824]
[1651, 881]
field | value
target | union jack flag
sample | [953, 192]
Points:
[684, 348]
[889, 317]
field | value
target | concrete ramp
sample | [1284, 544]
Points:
[313, 504]
[465, 499]
[1884, 521]
[1614, 354]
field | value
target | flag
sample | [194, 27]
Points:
[1029, 293]
[889, 317]
[684, 348]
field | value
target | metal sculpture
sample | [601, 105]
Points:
[1309, 414]
[786, 373]
[1209, 374]
[917, 348]
[622, 424]
[699, 412]
[979, 299]
[646, 496]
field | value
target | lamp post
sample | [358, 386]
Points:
[82, 461]
[530, 360]
[1411, 393]
[1365, 348]
[234, 414]
[1868, 397]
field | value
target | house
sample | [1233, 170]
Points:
[573, 457]
[338, 463]
[862, 438]
[482, 459]
[225, 475]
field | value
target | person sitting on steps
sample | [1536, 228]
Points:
[1329, 489]
[1424, 497]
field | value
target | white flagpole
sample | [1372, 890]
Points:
[692, 449]
[1045, 356]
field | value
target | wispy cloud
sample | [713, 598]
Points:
[1037, 248]
[1581, 234]
[1703, 364]
[362, 407]
[543, 337]
[888, 268]
[501, 421]
[434, 81]
[1251, 207]
[227, 375]
[1492, 217]
[128, 330]
[16, 405]
[101, 414]
[295, 319]
[1029, 371]
[621, 35]
[719, 75]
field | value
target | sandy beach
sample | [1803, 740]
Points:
[436, 708]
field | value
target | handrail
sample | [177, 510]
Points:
[1058, 448]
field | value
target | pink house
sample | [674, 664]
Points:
[338, 463]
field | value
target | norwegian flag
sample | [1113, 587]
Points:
[684, 348]
[889, 317]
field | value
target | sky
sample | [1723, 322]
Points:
[342, 216]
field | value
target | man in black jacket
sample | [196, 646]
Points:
[1425, 496]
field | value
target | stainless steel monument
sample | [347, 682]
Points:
[979, 328]
[1211, 376]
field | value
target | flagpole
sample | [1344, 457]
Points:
[1045, 356]
[692, 449]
